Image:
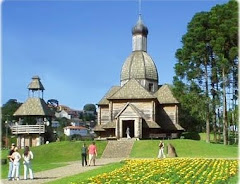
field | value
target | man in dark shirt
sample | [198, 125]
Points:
[10, 161]
[84, 154]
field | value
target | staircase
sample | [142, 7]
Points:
[118, 149]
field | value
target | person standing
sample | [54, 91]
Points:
[84, 155]
[128, 133]
[92, 150]
[161, 150]
[27, 157]
[16, 164]
[10, 159]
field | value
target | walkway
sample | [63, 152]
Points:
[118, 149]
[61, 172]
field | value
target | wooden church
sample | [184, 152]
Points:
[148, 109]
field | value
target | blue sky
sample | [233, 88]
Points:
[78, 48]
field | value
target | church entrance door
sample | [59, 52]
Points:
[128, 124]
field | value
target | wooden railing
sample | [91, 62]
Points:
[28, 129]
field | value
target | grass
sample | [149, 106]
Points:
[203, 136]
[184, 148]
[58, 154]
[49, 156]
[233, 180]
[84, 176]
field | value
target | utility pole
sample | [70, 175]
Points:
[6, 125]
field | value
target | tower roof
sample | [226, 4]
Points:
[104, 100]
[165, 96]
[140, 28]
[132, 90]
[34, 107]
[35, 84]
[139, 65]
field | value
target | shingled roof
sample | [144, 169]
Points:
[98, 128]
[152, 124]
[110, 92]
[34, 107]
[170, 126]
[165, 96]
[35, 84]
[132, 90]
[109, 125]
[139, 65]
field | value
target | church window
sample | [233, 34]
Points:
[150, 87]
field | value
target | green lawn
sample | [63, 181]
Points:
[184, 148]
[54, 155]
[58, 154]
[203, 136]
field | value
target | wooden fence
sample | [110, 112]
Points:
[28, 129]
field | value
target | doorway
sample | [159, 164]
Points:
[130, 124]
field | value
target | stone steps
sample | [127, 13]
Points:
[118, 149]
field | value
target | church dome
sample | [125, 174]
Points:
[139, 65]
[140, 28]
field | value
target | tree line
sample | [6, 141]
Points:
[206, 72]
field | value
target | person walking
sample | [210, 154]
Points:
[161, 150]
[92, 150]
[16, 164]
[84, 155]
[27, 157]
[10, 160]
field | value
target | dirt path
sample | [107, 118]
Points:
[61, 172]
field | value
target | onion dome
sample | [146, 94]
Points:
[140, 28]
[139, 65]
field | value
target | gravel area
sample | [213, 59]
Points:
[61, 172]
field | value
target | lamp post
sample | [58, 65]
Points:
[6, 125]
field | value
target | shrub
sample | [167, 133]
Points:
[191, 135]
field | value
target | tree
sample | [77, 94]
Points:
[209, 56]
[90, 107]
[191, 112]
[8, 110]
[193, 62]
[224, 41]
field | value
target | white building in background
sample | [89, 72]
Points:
[62, 114]
[77, 122]
[76, 130]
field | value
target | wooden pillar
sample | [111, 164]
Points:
[110, 111]
[153, 110]
[176, 114]
[117, 133]
[140, 127]
[99, 115]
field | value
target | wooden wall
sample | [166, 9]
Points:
[168, 113]
[145, 106]
[104, 115]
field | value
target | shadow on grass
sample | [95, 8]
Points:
[44, 178]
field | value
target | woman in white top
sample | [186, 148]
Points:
[161, 150]
[16, 163]
[27, 157]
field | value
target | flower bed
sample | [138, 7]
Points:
[177, 171]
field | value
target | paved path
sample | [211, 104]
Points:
[118, 149]
[61, 172]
